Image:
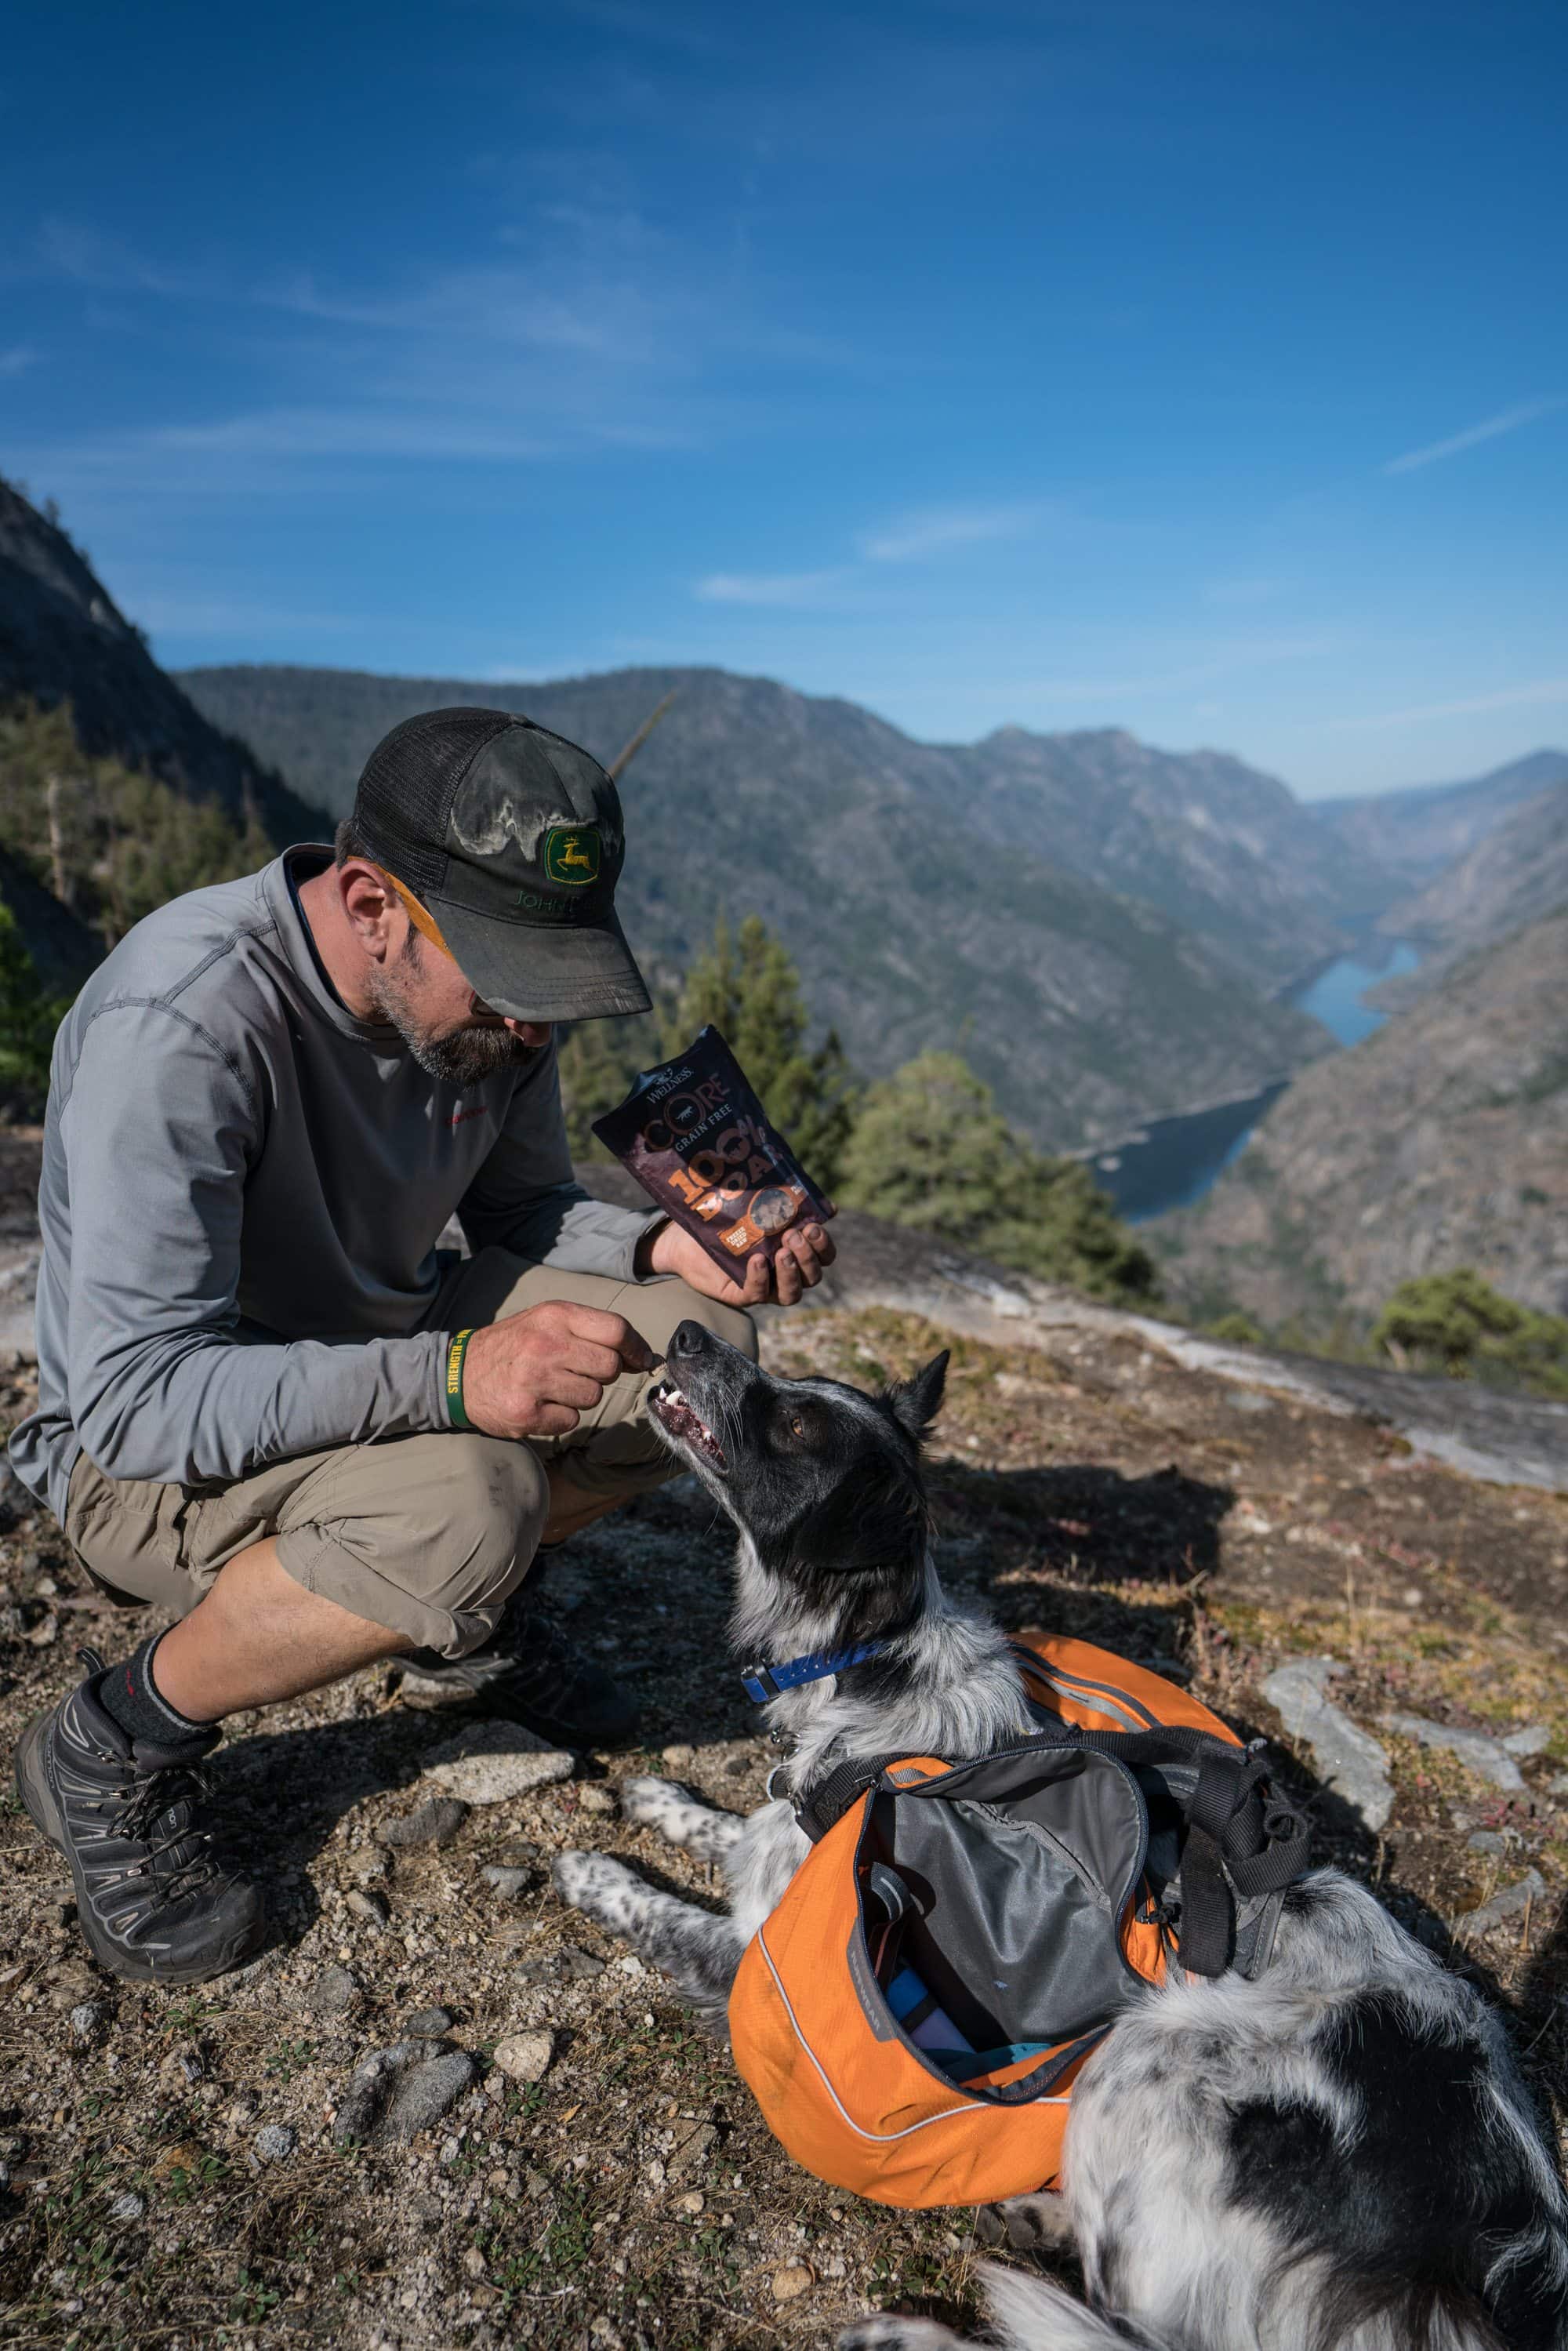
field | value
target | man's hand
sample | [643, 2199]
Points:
[536, 1373]
[803, 1253]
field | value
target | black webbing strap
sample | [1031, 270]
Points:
[1241, 1833]
[823, 1806]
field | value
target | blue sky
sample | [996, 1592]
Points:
[1201, 370]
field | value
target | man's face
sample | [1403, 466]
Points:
[452, 1033]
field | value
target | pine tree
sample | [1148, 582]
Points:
[930, 1149]
[598, 1061]
[748, 987]
[108, 841]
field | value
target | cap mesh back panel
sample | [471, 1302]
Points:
[406, 791]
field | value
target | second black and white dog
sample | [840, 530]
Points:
[1338, 2156]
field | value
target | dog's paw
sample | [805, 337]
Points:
[651, 1803]
[1029, 2222]
[592, 1882]
[885, 2330]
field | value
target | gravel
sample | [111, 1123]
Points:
[509, 1884]
[428, 2024]
[525, 2057]
[276, 2142]
[395, 2092]
[436, 1822]
[335, 1992]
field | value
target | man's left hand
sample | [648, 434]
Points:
[803, 1254]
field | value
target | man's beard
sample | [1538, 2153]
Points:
[459, 1056]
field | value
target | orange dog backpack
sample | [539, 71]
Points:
[913, 2016]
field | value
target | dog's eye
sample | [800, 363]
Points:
[797, 1426]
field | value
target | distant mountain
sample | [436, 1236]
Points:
[1221, 849]
[1441, 1142]
[1415, 832]
[920, 910]
[62, 638]
[1515, 873]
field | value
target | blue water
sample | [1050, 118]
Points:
[1336, 997]
[1175, 1160]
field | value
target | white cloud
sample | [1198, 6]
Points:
[1513, 697]
[797, 589]
[1508, 420]
[19, 357]
[937, 528]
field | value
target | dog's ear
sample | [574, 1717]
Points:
[915, 1403]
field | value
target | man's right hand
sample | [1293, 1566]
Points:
[536, 1373]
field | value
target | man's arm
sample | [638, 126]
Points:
[157, 1129]
[524, 1198]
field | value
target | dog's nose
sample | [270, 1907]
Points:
[689, 1339]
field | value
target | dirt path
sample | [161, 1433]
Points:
[172, 2178]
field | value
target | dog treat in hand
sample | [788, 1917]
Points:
[698, 1140]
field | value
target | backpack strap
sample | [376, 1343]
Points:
[824, 1805]
[1242, 1836]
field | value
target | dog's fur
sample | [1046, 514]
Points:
[1338, 2156]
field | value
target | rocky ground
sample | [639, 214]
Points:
[551, 2154]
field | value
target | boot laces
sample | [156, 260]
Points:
[152, 1804]
[139, 1810]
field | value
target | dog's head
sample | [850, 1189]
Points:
[822, 1481]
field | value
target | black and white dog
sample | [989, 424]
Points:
[1339, 2154]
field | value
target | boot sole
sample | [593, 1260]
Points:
[33, 1787]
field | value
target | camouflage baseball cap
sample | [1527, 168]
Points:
[511, 841]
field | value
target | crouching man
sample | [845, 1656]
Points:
[268, 1404]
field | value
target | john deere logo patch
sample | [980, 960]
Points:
[572, 853]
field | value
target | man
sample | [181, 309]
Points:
[267, 1403]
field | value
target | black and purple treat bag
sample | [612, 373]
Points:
[696, 1138]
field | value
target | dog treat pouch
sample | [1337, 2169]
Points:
[698, 1140]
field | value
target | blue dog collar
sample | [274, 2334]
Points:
[761, 1683]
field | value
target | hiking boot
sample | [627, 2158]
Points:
[154, 1902]
[529, 1672]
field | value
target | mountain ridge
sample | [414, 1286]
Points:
[1219, 847]
[1416, 832]
[1515, 872]
[64, 639]
[917, 918]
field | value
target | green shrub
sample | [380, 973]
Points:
[1458, 1323]
[929, 1149]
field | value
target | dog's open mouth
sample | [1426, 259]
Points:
[676, 1417]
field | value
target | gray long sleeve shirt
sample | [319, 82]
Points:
[242, 1189]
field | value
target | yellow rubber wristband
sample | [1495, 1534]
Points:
[454, 1354]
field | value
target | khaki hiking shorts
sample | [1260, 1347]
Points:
[428, 1534]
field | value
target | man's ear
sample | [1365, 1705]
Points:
[915, 1403]
[369, 905]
